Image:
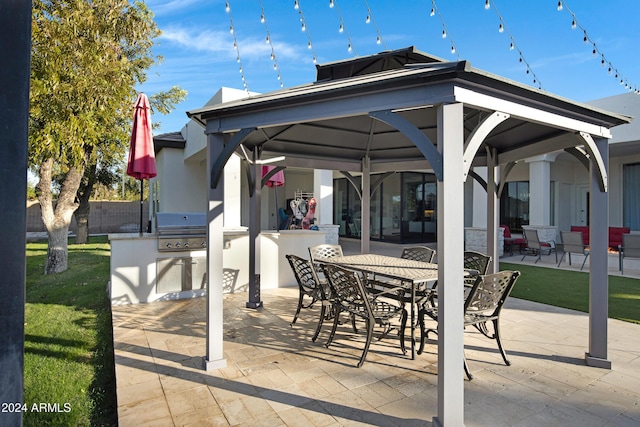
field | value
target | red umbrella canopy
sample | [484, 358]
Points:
[277, 180]
[142, 159]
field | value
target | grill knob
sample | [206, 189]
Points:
[177, 244]
[186, 244]
[203, 243]
[168, 245]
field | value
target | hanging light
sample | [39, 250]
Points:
[453, 49]
[331, 3]
[368, 19]
[296, 6]
[511, 46]
[267, 39]
[573, 24]
[227, 8]
[501, 28]
[262, 18]
[304, 27]
[444, 33]
[487, 4]
[559, 6]
[433, 12]
[231, 29]
[378, 41]
[309, 45]
[341, 29]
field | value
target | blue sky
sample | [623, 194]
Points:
[199, 56]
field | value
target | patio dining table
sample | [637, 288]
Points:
[411, 275]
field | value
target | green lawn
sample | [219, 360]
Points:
[570, 289]
[69, 339]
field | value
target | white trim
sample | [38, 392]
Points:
[529, 114]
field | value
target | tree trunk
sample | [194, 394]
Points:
[82, 220]
[84, 194]
[57, 220]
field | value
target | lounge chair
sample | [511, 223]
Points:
[536, 247]
[630, 248]
[573, 243]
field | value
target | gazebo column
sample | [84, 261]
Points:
[598, 264]
[493, 211]
[365, 233]
[450, 267]
[323, 193]
[255, 216]
[214, 358]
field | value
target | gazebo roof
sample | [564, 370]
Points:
[331, 119]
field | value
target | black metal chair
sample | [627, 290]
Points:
[573, 243]
[418, 253]
[483, 304]
[349, 295]
[311, 287]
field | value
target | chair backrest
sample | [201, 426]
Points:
[631, 245]
[507, 231]
[572, 241]
[347, 289]
[531, 235]
[418, 253]
[303, 272]
[476, 261]
[489, 293]
[324, 251]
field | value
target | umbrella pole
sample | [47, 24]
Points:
[141, 202]
[277, 211]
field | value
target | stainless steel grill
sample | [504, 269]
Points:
[181, 231]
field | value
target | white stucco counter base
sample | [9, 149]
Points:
[275, 271]
[140, 273]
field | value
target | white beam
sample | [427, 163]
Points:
[527, 113]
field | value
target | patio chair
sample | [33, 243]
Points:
[510, 241]
[351, 297]
[573, 243]
[484, 304]
[535, 247]
[630, 248]
[418, 253]
[308, 285]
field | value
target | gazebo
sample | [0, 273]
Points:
[405, 110]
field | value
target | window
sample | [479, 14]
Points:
[514, 205]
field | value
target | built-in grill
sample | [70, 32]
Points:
[181, 231]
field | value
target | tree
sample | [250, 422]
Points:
[87, 57]
[107, 158]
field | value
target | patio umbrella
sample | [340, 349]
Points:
[276, 180]
[142, 159]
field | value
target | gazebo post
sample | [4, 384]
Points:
[598, 263]
[450, 267]
[365, 207]
[255, 217]
[214, 358]
[493, 212]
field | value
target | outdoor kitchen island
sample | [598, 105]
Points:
[143, 269]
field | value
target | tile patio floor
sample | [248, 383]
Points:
[275, 375]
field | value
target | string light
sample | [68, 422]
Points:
[434, 11]
[595, 51]
[276, 68]
[297, 7]
[227, 9]
[370, 18]
[342, 29]
[513, 45]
